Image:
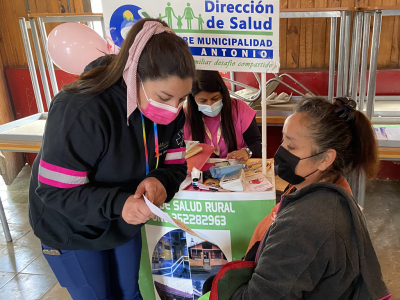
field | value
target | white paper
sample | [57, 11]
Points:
[257, 183]
[393, 133]
[185, 183]
[381, 133]
[158, 212]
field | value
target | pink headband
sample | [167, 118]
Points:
[149, 29]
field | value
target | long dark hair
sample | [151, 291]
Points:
[164, 55]
[354, 142]
[211, 81]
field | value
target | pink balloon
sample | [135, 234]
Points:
[112, 48]
[72, 46]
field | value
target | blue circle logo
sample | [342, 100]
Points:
[122, 20]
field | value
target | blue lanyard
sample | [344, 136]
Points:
[155, 144]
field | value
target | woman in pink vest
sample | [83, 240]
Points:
[212, 117]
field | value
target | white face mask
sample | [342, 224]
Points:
[211, 111]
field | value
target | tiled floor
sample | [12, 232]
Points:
[25, 274]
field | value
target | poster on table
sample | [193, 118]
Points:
[223, 35]
[175, 262]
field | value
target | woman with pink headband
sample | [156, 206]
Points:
[111, 137]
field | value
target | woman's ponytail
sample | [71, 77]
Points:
[364, 146]
[340, 127]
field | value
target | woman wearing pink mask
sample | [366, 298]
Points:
[111, 136]
[212, 117]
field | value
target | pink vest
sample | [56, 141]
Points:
[242, 116]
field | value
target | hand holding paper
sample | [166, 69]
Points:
[135, 211]
[158, 212]
[153, 189]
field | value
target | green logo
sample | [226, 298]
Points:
[187, 15]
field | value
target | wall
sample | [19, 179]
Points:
[12, 54]
[11, 44]
[10, 163]
[387, 84]
[304, 43]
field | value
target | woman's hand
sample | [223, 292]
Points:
[136, 211]
[238, 155]
[153, 189]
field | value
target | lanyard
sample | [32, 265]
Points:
[145, 144]
[217, 150]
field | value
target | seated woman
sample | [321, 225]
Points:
[318, 247]
[212, 117]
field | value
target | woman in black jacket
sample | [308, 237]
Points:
[318, 247]
[112, 136]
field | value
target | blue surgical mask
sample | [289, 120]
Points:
[211, 111]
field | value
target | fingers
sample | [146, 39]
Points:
[161, 197]
[145, 211]
[151, 192]
[140, 190]
[153, 189]
[135, 211]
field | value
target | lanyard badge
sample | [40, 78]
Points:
[217, 150]
[145, 144]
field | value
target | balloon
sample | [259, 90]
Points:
[112, 48]
[72, 46]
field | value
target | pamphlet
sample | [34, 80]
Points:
[158, 212]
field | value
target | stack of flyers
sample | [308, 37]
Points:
[255, 166]
[257, 183]
[234, 181]
[380, 133]
[190, 145]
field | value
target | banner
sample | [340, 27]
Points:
[223, 35]
[176, 263]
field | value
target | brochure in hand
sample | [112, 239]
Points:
[158, 212]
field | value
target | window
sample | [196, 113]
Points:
[196, 254]
[216, 254]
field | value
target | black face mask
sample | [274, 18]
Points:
[285, 165]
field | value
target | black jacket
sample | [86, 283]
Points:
[317, 248]
[90, 162]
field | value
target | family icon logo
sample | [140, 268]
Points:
[188, 15]
[122, 21]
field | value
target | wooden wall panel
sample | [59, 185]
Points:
[7, 44]
[11, 44]
[304, 43]
[293, 38]
[319, 37]
[395, 47]
[306, 30]
[282, 37]
[11, 163]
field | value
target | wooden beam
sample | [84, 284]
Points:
[28, 146]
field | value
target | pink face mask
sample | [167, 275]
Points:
[159, 113]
